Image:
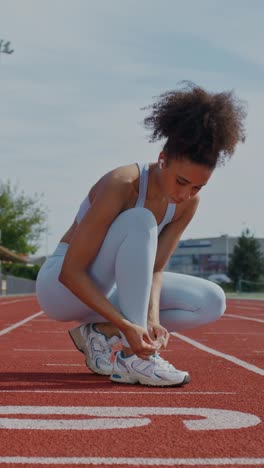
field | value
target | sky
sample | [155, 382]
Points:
[72, 95]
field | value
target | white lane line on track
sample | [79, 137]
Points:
[260, 308]
[243, 317]
[114, 461]
[117, 392]
[16, 300]
[234, 333]
[46, 350]
[18, 324]
[255, 314]
[228, 357]
[65, 365]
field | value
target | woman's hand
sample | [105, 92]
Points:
[139, 341]
[158, 334]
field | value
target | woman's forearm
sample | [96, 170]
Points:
[154, 302]
[80, 284]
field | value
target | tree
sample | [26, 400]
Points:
[22, 219]
[247, 262]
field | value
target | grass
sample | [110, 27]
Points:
[245, 295]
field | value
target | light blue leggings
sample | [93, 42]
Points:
[123, 271]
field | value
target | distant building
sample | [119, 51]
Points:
[204, 257]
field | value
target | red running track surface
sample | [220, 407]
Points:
[55, 412]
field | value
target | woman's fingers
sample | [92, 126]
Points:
[165, 339]
[152, 333]
[161, 336]
[142, 343]
[147, 339]
[147, 347]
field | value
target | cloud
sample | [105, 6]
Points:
[81, 71]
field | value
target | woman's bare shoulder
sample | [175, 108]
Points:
[122, 174]
[123, 177]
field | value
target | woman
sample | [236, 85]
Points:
[107, 271]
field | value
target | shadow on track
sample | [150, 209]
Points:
[52, 381]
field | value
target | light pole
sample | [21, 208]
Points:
[226, 251]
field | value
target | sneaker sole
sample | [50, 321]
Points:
[78, 342]
[76, 337]
[128, 379]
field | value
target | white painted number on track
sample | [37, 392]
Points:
[111, 417]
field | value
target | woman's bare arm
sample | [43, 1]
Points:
[85, 243]
[110, 200]
[167, 244]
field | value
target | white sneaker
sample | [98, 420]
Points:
[96, 347]
[153, 371]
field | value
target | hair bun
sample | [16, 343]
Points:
[201, 126]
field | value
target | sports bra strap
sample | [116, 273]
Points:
[143, 184]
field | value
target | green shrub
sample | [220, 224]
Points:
[228, 287]
[20, 270]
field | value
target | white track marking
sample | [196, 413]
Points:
[117, 392]
[242, 317]
[118, 417]
[16, 300]
[46, 350]
[114, 461]
[93, 424]
[228, 357]
[65, 365]
[234, 333]
[259, 314]
[19, 324]
[247, 307]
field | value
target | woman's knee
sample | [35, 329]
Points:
[143, 215]
[140, 220]
[214, 301]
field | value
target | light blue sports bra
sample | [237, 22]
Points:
[143, 187]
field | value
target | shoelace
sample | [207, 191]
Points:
[162, 363]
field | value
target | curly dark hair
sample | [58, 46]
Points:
[199, 126]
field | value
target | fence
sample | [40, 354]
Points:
[14, 285]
